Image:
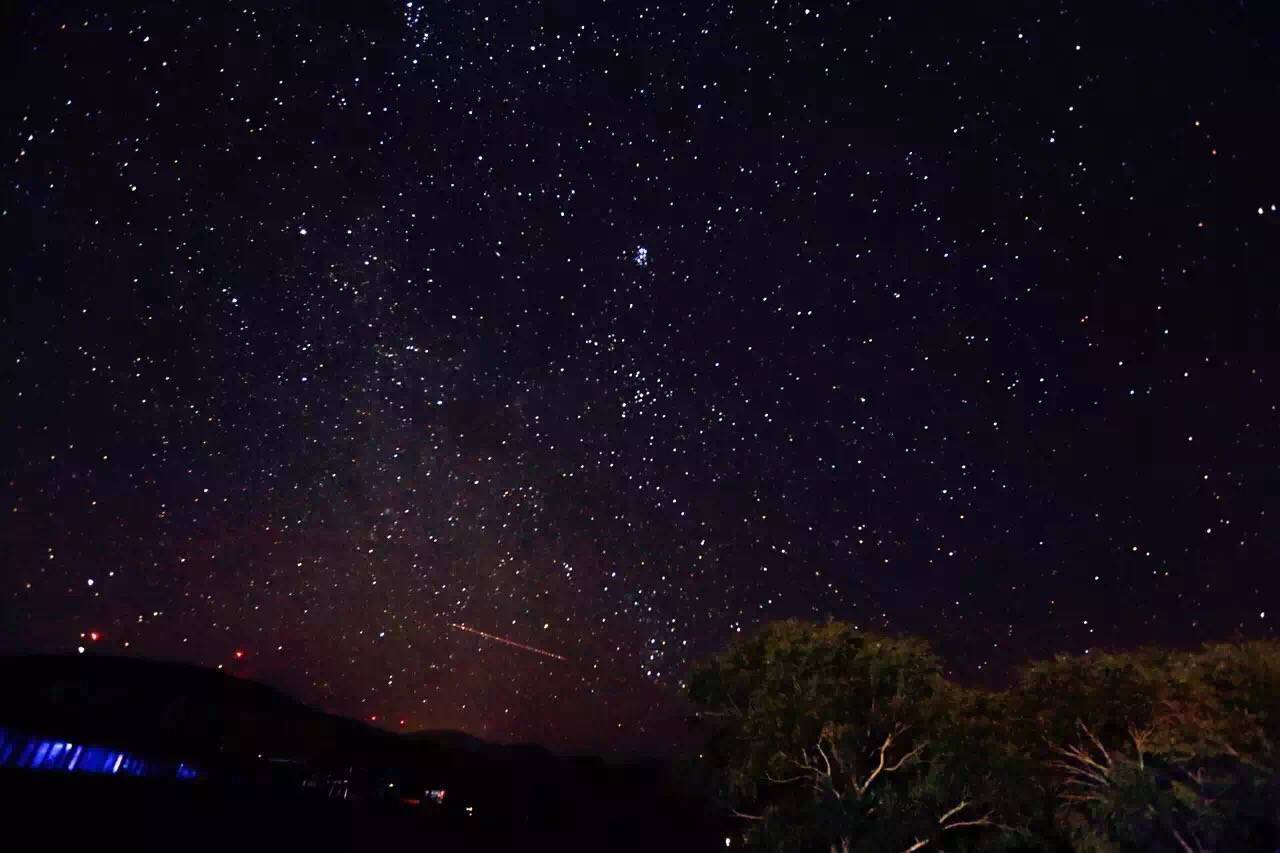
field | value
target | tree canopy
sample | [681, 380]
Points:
[830, 738]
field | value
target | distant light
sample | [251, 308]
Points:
[239, 654]
[80, 649]
[94, 635]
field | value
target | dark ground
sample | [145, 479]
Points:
[61, 812]
[79, 812]
[261, 755]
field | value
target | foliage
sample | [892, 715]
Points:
[845, 740]
[1157, 750]
[829, 738]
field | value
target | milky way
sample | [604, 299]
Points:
[615, 330]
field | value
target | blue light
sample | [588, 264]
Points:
[32, 752]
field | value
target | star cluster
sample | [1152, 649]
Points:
[613, 330]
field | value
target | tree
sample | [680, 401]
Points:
[836, 739]
[828, 738]
[1158, 750]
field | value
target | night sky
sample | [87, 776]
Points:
[613, 330]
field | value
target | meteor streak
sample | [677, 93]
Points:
[506, 642]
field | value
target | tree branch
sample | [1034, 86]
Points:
[1081, 775]
[950, 813]
[1095, 740]
[1182, 842]
[913, 753]
[881, 766]
[805, 765]
[825, 760]
[862, 789]
[985, 820]
[1079, 754]
[1140, 738]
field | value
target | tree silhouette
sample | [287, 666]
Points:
[829, 738]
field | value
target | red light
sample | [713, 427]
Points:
[239, 655]
[94, 635]
[402, 722]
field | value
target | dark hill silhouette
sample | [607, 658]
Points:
[262, 749]
[169, 707]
